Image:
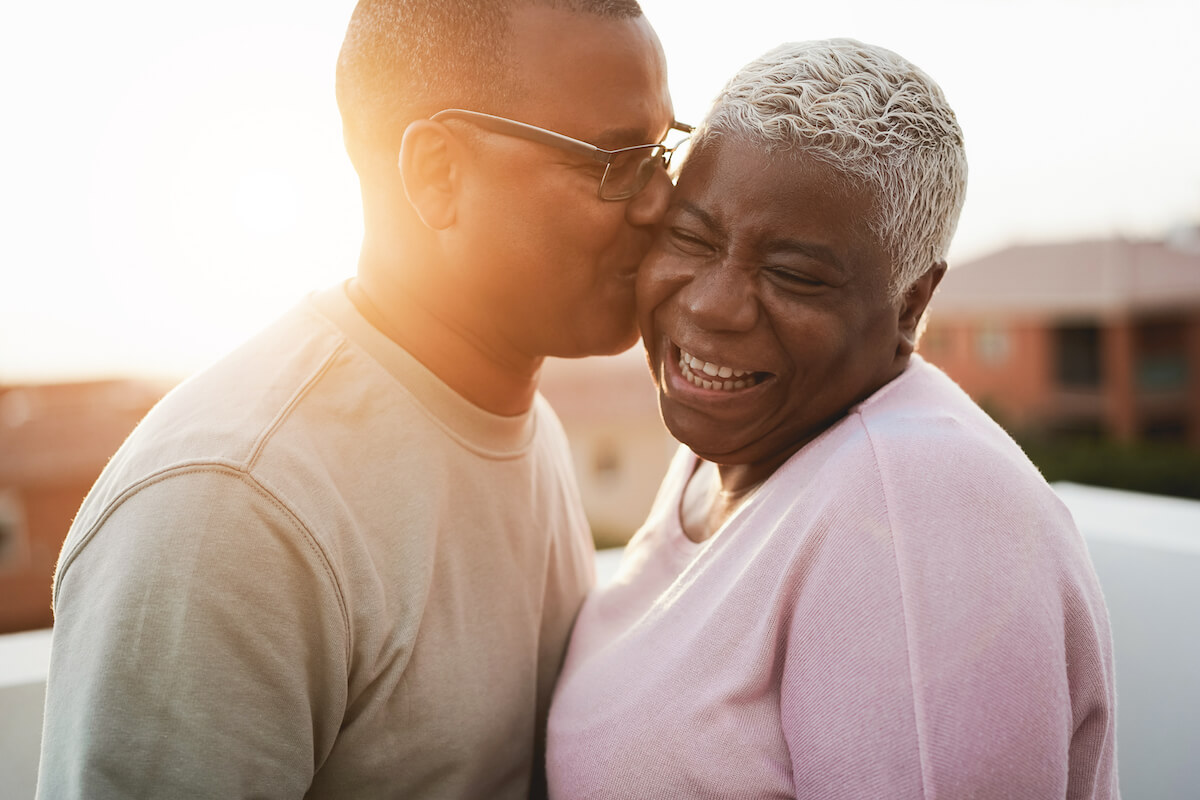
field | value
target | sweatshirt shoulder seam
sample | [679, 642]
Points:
[220, 467]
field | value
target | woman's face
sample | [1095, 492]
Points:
[764, 304]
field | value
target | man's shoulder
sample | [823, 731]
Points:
[288, 391]
[213, 456]
[223, 412]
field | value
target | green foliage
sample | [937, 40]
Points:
[606, 536]
[1151, 467]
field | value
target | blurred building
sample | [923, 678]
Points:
[54, 441]
[1092, 337]
[621, 449]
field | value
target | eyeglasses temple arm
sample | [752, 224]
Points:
[511, 127]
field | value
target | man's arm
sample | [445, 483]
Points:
[200, 648]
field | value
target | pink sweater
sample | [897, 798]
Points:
[904, 610]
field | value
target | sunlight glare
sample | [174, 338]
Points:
[265, 202]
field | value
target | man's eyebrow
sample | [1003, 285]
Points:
[616, 138]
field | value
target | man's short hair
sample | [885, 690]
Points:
[873, 116]
[403, 60]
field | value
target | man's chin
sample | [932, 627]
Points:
[597, 350]
[597, 342]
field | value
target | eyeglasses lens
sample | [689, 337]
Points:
[630, 171]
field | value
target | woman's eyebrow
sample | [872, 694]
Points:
[696, 211]
[783, 244]
[813, 250]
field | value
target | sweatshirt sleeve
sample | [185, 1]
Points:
[948, 638]
[200, 647]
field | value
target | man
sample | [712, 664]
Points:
[343, 562]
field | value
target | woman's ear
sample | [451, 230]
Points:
[429, 169]
[916, 300]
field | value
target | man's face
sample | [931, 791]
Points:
[551, 267]
[766, 270]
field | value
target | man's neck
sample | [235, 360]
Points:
[449, 348]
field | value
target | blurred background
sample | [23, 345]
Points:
[172, 178]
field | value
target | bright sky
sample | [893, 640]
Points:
[172, 176]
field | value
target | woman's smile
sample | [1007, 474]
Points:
[718, 377]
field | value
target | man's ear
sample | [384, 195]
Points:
[429, 168]
[915, 301]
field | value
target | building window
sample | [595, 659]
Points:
[606, 461]
[1077, 356]
[1162, 373]
[1161, 356]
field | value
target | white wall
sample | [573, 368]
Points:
[24, 658]
[1146, 551]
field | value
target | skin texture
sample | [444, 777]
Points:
[563, 262]
[764, 263]
[487, 253]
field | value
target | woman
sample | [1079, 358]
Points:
[852, 584]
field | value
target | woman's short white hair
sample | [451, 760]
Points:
[872, 115]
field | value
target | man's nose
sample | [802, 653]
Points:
[646, 208]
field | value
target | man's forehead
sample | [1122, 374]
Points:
[601, 79]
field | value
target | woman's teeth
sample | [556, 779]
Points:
[708, 375]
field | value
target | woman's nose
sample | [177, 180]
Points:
[721, 298]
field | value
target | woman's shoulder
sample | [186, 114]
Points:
[922, 424]
[924, 462]
[950, 473]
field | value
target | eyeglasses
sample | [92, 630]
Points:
[626, 170]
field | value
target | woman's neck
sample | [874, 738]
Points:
[712, 495]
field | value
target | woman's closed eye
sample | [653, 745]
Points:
[792, 278]
[688, 241]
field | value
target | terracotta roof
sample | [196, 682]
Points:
[50, 433]
[1087, 277]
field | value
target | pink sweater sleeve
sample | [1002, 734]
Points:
[957, 633]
